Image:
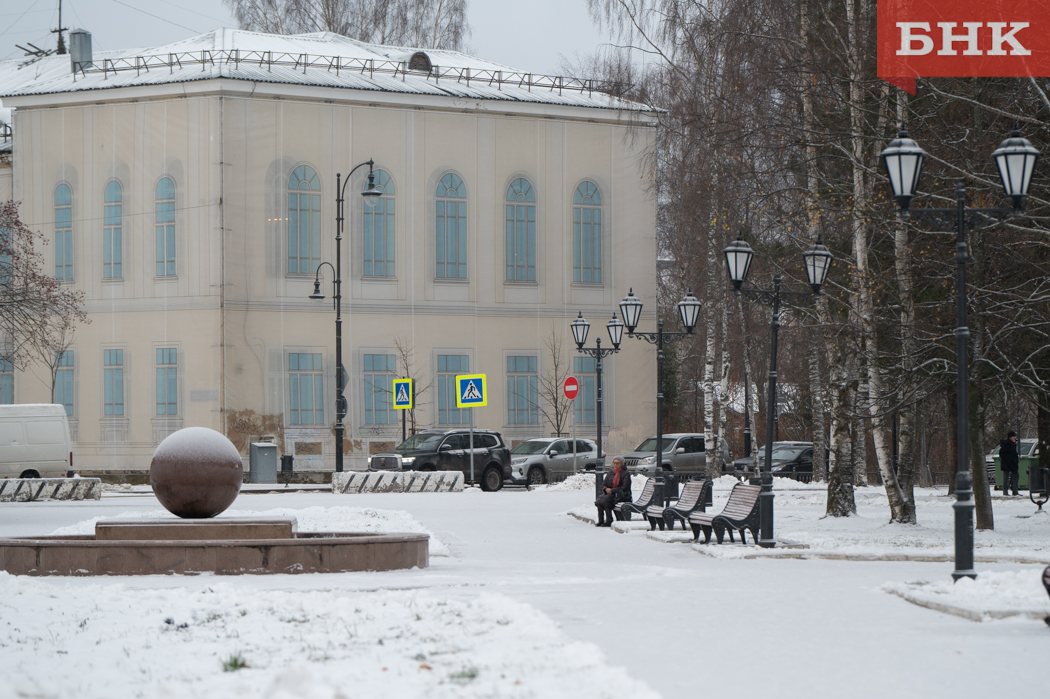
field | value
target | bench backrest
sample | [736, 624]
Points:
[647, 492]
[742, 500]
[691, 493]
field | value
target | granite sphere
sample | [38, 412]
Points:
[196, 473]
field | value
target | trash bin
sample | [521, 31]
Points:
[670, 486]
[1037, 477]
[287, 462]
[1024, 463]
[262, 463]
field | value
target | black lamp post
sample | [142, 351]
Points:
[738, 261]
[340, 374]
[580, 327]
[1015, 159]
[631, 310]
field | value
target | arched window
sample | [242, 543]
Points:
[450, 232]
[420, 62]
[521, 231]
[304, 221]
[379, 229]
[63, 232]
[165, 220]
[112, 231]
[587, 234]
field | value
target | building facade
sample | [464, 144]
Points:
[190, 192]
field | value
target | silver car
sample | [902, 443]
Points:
[535, 461]
[683, 453]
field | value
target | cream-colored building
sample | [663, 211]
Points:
[189, 190]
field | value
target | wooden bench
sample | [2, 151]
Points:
[740, 513]
[695, 496]
[623, 510]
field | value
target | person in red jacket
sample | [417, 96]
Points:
[615, 488]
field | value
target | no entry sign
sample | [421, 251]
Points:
[571, 388]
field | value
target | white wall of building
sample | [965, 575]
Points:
[234, 314]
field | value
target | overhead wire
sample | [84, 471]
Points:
[12, 25]
[183, 26]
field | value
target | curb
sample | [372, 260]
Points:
[967, 613]
[704, 549]
[353, 482]
[33, 489]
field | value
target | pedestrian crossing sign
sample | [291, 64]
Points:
[402, 394]
[470, 391]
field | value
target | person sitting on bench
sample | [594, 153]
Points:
[615, 488]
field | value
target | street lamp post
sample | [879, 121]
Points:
[1015, 159]
[580, 327]
[631, 310]
[337, 298]
[738, 261]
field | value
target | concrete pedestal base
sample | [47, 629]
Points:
[232, 546]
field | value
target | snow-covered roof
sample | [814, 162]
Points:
[320, 59]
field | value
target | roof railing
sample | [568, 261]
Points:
[302, 61]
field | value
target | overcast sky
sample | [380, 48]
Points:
[531, 35]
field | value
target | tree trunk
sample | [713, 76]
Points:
[709, 357]
[899, 509]
[841, 502]
[1042, 427]
[982, 497]
[858, 437]
[817, 399]
[723, 389]
[906, 430]
[820, 466]
[749, 382]
[978, 408]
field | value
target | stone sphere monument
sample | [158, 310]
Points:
[196, 473]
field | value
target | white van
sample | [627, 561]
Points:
[34, 441]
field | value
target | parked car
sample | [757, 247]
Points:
[744, 465]
[34, 441]
[792, 460]
[535, 461]
[449, 450]
[683, 453]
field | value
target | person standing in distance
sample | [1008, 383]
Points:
[1008, 462]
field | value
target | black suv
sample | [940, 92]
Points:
[792, 460]
[449, 450]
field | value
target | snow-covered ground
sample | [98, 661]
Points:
[529, 602]
[337, 518]
[1019, 536]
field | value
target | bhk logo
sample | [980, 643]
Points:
[916, 40]
[962, 38]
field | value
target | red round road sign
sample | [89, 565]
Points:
[571, 388]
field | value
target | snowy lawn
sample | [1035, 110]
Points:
[990, 596]
[535, 604]
[106, 640]
[804, 531]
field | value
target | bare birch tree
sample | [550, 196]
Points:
[406, 363]
[434, 24]
[554, 406]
